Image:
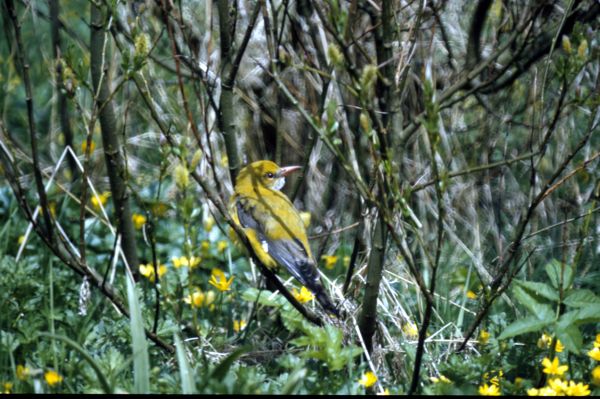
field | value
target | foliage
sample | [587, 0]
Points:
[450, 189]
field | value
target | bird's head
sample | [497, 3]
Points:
[265, 173]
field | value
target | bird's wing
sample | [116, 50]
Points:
[276, 239]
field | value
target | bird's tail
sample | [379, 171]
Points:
[325, 301]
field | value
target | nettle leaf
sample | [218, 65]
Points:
[540, 289]
[525, 325]
[581, 297]
[554, 269]
[541, 311]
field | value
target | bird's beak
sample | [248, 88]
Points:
[286, 170]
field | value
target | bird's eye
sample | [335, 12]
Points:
[270, 175]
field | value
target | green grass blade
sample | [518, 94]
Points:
[187, 378]
[141, 359]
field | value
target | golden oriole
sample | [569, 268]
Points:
[274, 227]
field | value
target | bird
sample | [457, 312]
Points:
[274, 227]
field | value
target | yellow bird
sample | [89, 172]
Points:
[274, 227]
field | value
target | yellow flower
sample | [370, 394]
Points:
[578, 389]
[225, 161]
[196, 299]
[21, 239]
[484, 337]
[330, 261]
[147, 271]
[7, 387]
[138, 220]
[545, 391]
[239, 325]
[368, 379]
[410, 330]
[596, 376]
[595, 353]
[303, 296]
[209, 223]
[471, 295]
[441, 378]
[219, 281]
[222, 246]
[385, 392]
[100, 200]
[597, 342]
[305, 216]
[191, 262]
[84, 146]
[22, 372]
[553, 367]
[52, 378]
[545, 342]
[559, 386]
[489, 390]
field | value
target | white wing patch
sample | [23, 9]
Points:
[265, 246]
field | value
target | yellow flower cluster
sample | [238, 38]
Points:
[190, 262]
[100, 200]
[493, 389]
[556, 386]
[594, 353]
[239, 325]
[489, 390]
[197, 299]
[219, 280]
[441, 379]
[147, 271]
[545, 342]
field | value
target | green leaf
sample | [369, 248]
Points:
[540, 289]
[293, 381]
[187, 379]
[540, 310]
[141, 360]
[522, 326]
[581, 297]
[221, 370]
[588, 314]
[570, 337]
[264, 297]
[88, 358]
[554, 269]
